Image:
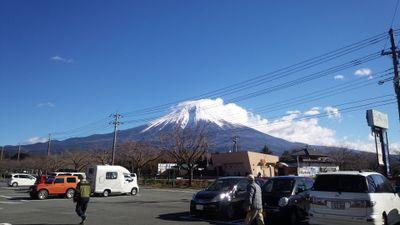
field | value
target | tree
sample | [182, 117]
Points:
[187, 147]
[266, 150]
[77, 160]
[139, 154]
[286, 157]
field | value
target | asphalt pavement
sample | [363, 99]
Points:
[149, 207]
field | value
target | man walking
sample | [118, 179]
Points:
[253, 202]
[81, 197]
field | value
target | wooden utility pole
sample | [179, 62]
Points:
[393, 51]
[49, 146]
[19, 152]
[2, 153]
[116, 123]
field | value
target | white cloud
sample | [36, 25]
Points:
[295, 125]
[45, 104]
[332, 112]
[313, 111]
[292, 128]
[338, 77]
[61, 59]
[34, 140]
[364, 72]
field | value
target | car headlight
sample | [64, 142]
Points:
[225, 196]
[283, 202]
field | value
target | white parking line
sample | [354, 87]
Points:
[11, 203]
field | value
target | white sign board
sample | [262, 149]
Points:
[162, 167]
[377, 119]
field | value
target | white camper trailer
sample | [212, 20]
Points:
[106, 180]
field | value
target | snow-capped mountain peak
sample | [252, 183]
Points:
[204, 110]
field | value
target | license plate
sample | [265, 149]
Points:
[199, 207]
[338, 205]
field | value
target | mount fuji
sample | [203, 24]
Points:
[222, 122]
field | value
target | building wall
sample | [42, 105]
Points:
[244, 162]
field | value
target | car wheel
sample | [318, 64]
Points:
[229, 213]
[134, 191]
[70, 193]
[293, 219]
[15, 184]
[106, 193]
[43, 194]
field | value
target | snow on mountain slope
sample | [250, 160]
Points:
[190, 113]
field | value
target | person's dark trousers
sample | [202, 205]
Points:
[81, 206]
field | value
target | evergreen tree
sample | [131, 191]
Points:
[266, 150]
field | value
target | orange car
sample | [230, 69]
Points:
[59, 185]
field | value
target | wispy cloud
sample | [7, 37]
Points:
[34, 140]
[338, 77]
[364, 72]
[45, 104]
[332, 112]
[61, 59]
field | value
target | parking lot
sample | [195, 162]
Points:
[150, 206]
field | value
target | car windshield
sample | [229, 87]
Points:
[279, 186]
[341, 183]
[49, 180]
[222, 185]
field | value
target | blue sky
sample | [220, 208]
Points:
[64, 64]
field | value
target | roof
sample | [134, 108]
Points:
[362, 173]
[308, 152]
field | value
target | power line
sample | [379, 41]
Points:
[394, 14]
[272, 75]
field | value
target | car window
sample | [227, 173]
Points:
[223, 184]
[71, 180]
[309, 183]
[301, 186]
[24, 176]
[111, 175]
[59, 181]
[279, 186]
[341, 183]
[16, 176]
[379, 184]
[242, 185]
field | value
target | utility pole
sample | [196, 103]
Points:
[2, 153]
[235, 140]
[49, 146]
[393, 51]
[19, 152]
[116, 123]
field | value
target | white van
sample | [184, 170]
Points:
[106, 180]
[20, 179]
[356, 198]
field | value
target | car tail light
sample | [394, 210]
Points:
[318, 201]
[362, 204]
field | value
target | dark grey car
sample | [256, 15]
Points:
[286, 198]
